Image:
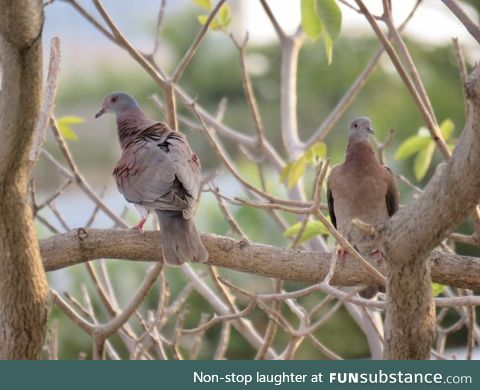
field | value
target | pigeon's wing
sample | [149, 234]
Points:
[158, 170]
[330, 201]
[392, 197]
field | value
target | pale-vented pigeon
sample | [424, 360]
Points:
[158, 172]
[360, 188]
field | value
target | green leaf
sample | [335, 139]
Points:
[64, 126]
[330, 16]
[447, 128]
[311, 23]
[316, 152]
[411, 146]
[214, 25]
[224, 15]
[312, 229]
[322, 17]
[296, 172]
[422, 161]
[437, 289]
[205, 4]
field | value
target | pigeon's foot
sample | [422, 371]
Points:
[377, 256]
[139, 226]
[341, 255]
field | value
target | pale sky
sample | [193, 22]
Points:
[83, 46]
[433, 22]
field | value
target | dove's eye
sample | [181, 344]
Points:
[114, 99]
[355, 125]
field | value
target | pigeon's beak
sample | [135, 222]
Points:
[370, 130]
[101, 112]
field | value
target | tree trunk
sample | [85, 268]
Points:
[415, 230]
[23, 284]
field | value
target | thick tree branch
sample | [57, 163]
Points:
[82, 245]
[415, 230]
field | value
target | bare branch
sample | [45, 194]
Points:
[182, 65]
[469, 24]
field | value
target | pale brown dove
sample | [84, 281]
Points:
[158, 172]
[360, 188]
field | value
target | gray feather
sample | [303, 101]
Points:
[180, 240]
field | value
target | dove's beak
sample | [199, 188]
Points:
[370, 130]
[101, 112]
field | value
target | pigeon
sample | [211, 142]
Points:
[158, 172]
[361, 188]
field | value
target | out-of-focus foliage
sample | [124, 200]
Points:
[221, 20]
[65, 126]
[437, 288]
[322, 17]
[293, 171]
[312, 229]
[422, 146]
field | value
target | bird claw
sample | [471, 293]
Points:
[341, 255]
[377, 256]
[139, 226]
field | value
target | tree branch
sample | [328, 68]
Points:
[469, 24]
[77, 246]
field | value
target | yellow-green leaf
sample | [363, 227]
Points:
[285, 171]
[411, 146]
[296, 172]
[322, 17]
[224, 15]
[310, 21]
[205, 4]
[447, 128]
[437, 289]
[214, 25]
[69, 120]
[312, 229]
[316, 152]
[422, 161]
[67, 132]
[64, 126]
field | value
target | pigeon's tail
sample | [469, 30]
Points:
[180, 240]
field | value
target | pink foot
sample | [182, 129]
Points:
[377, 256]
[139, 226]
[341, 254]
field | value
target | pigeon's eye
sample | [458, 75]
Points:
[355, 125]
[114, 99]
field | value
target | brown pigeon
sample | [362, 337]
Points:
[360, 188]
[158, 172]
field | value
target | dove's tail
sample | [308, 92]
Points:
[180, 240]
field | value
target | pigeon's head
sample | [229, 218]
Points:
[116, 102]
[360, 129]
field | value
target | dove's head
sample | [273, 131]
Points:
[360, 130]
[117, 102]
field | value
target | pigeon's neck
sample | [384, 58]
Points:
[359, 152]
[130, 123]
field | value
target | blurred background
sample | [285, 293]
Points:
[92, 67]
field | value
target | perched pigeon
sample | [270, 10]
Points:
[360, 188]
[158, 172]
